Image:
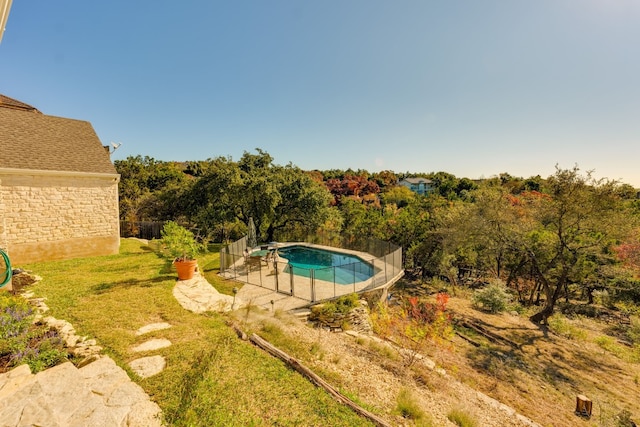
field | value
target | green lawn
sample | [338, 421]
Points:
[212, 378]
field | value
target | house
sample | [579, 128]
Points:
[58, 187]
[417, 185]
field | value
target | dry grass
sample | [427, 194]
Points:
[542, 377]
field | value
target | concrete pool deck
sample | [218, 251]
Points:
[198, 295]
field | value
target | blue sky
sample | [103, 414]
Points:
[474, 88]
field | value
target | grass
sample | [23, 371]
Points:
[461, 418]
[212, 378]
[408, 407]
[561, 326]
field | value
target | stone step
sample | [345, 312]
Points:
[301, 313]
[99, 394]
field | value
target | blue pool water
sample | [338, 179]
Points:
[343, 269]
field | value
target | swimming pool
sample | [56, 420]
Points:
[337, 267]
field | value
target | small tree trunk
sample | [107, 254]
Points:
[542, 316]
[270, 232]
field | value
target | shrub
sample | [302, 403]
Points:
[414, 324]
[633, 333]
[180, 243]
[329, 310]
[15, 317]
[493, 298]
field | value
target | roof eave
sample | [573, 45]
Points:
[38, 172]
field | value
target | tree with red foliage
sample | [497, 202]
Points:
[414, 324]
[351, 186]
[629, 253]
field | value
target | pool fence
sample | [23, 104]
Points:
[381, 265]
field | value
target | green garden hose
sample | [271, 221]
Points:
[7, 264]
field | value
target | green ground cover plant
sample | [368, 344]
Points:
[212, 378]
[22, 341]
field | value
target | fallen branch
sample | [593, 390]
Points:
[297, 366]
[239, 332]
[469, 340]
[491, 336]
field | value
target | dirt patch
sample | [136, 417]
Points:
[543, 375]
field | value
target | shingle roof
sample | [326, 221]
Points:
[32, 140]
[7, 102]
[418, 180]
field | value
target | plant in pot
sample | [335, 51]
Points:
[181, 245]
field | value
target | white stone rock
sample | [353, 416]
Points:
[148, 366]
[144, 414]
[152, 327]
[14, 379]
[153, 344]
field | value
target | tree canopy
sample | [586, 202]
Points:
[568, 234]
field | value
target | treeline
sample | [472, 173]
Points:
[546, 238]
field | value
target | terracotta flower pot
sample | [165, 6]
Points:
[186, 269]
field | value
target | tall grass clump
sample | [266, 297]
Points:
[408, 407]
[461, 418]
[633, 333]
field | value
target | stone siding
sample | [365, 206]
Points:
[47, 217]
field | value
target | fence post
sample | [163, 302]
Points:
[277, 281]
[334, 284]
[313, 285]
[291, 280]
[354, 278]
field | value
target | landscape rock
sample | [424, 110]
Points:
[197, 295]
[100, 394]
[148, 366]
[77, 346]
[153, 344]
[359, 320]
[152, 327]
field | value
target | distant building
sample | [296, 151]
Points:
[58, 187]
[420, 186]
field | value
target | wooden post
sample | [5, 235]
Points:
[583, 405]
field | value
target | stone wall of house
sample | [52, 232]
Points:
[47, 217]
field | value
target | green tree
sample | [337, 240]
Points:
[304, 204]
[149, 189]
[578, 224]
[279, 198]
[361, 220]
[399, 196]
